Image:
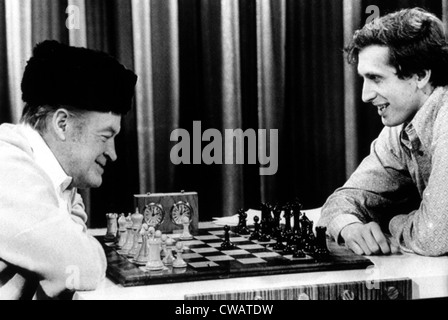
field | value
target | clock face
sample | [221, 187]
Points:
[153, 214]
[179, 210]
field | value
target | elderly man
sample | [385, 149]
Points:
[74, 100]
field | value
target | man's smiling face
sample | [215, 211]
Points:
[397, 100]
[91, 145]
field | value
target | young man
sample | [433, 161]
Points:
[402, 186]
[74, 99]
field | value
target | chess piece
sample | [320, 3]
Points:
[256, 233]
[142, 257]
[242, 228]
[308, 238]
[266, 216]
[297, 231]
[287, 232]
[226, 244]
[276, 211]
[321, 251]
[186, 235]
[122, 222]
[264, 236]
[112, 228]
[154, 262]
[137, 220]
[289, 248]
[298, 251]
[279, 246]
[179, 262]
[129, 237]
[169, 258]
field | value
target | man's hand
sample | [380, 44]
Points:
[367, 239]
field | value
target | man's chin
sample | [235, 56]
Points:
[90, 184]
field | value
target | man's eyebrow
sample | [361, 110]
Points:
[369, 74]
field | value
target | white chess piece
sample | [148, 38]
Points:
[179, 262]
[186, 235]
[142, 257]
[169, 258]
[154, 263]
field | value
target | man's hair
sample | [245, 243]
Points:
[416, 42]
[58, 75]
[38, 116]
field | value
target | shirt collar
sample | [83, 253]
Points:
[423, 121]
[46, 160]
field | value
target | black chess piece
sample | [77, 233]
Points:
[298, 249]
[226, 244]
[266, 215]
[276, 229]
[242, 228]
[308, 238]
[321, 251]
[297, 230]
[279, 246]
[287, 232]
[264, 236]
[256, 233]
[289, 248]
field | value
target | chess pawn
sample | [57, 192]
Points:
[227, 244]
[256, 233]
[137, 220]
[154, 262]
[143, 256]
[186, 235]
[169, 258]
[112, 227]
[121, 231]
[179, 262]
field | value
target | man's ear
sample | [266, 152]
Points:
[423, 78]
[59, 123]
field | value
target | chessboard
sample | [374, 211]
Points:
[206, 260]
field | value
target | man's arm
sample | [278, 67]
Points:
[381, 187]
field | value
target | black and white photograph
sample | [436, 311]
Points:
[224, 150]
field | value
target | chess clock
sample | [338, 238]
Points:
[165, 211]
[153, 214]
[179, 210]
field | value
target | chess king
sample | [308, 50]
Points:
[74, 101]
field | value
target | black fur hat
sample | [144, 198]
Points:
[91, 80]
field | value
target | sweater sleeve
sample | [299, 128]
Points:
[379, 189]
[36, 235]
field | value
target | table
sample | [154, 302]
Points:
[428, 277]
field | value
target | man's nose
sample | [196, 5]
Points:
[368, 93]
[110, 151]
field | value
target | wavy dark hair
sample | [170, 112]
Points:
[416, 42]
